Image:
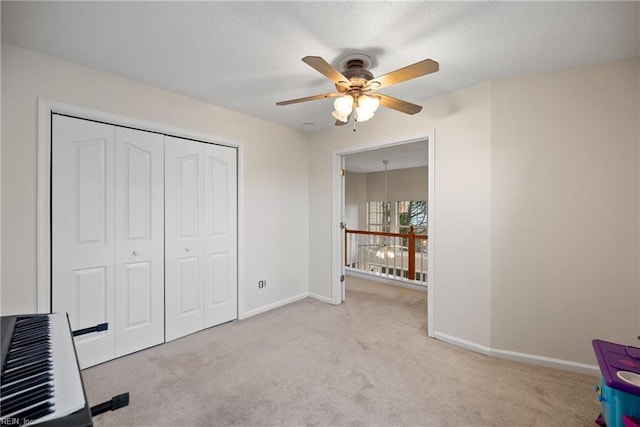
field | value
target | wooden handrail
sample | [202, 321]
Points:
[411, 236]
[377, 233]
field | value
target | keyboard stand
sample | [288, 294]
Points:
[116, 402]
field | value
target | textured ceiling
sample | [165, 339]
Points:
[245, 56]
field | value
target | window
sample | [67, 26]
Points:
[413, 212]
[379, 216]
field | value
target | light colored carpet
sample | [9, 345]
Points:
[366, 362]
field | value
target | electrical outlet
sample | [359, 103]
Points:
[262, 284]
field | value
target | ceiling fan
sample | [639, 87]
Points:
[356, 87]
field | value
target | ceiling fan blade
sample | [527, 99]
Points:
[426, 66]
[310, 98]
[323, 67]
[398, 104]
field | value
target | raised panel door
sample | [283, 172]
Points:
[183, 237]
[82, 239]
[139, 231]
[220, 234]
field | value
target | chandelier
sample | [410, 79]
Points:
[386, 250]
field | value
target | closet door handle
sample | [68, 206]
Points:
[136, 252]
[187, 249]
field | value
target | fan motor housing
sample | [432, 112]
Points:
[358, 73]
[355, 69]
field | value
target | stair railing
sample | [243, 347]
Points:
[381, 252]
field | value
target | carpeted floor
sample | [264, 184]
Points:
[366, 362]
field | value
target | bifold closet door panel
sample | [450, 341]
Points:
[139, 240]
[82, 231]
[200, 235]
[220, 234]
[108, 235]
[184, 250]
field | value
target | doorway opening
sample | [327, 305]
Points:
[390, 187]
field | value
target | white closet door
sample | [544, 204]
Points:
[201, 236]
[82, 201]
[139, 240]
[184, 219]
[220, 235]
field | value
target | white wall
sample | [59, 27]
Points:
[274, 183]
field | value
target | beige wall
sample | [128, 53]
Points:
[355, 196]
[565, 210]
[537, 210]
[461, 121]
[273, 179]
[402, 184]
[537, 198]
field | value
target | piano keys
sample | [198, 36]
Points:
[40, 381]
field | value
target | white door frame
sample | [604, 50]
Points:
[43, 184]
[337, 252]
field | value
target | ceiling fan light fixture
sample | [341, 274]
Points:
[342, 117]
[363, 117]
[366, 107]
[343, 105]
[356, 87]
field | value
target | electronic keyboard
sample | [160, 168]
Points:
[40, 381]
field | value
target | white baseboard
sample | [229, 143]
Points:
[533, 359]
[320, 297]
[565, 365]
[268, 307]
[381, 279]
[462, 343]
[549, 362]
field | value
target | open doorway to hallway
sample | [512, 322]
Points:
[362, 188]
[385, 212]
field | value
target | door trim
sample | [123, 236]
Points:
[46, 108]
[337, 255]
